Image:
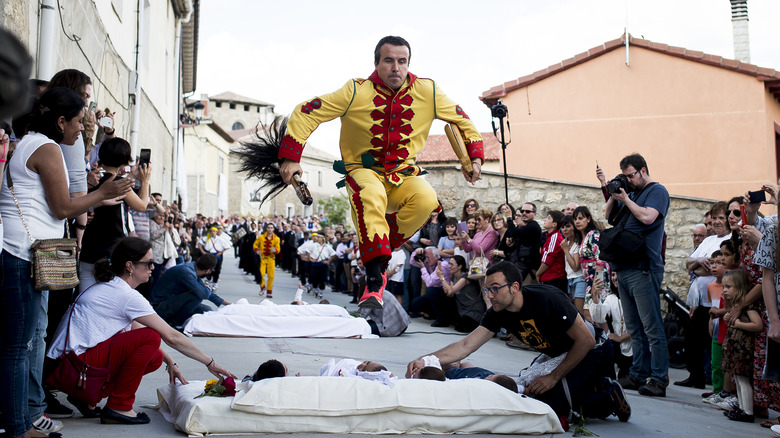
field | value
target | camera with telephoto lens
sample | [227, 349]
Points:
[617, 183]
[420, 258]
[499, 110]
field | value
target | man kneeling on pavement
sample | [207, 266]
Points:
[180, 292]
[544, 318]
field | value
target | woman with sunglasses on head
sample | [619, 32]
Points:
[111, 325]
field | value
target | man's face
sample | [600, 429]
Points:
[708, 224]
[699, 234]
[636, 179]
[569, 208]
[502, 297]
[528, 213]
[269, 229]
[158, 198]
[393, 65]
[430, 258]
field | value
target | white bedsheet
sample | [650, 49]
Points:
[282, 321]
[339, 405]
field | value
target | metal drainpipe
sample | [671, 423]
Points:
[177, 130]
[137, 104]
[46, 33]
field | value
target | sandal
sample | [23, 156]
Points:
[769, 423]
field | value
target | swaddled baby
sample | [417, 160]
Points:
[352, 368]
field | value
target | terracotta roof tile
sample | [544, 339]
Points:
[438, 150]
[490, 96]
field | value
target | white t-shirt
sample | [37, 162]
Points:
[320, 252]
[102, 311]
[397, 259]
[611, 306]
[571, 273]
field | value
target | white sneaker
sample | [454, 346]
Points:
[714, 399]
[46, 425]
[728, 404]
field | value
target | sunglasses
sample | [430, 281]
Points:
[148, 264]
[471, 205]
[527, 211]
[736, 213]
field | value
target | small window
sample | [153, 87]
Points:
[246, 107]
[232, 106]
[258, 109]
[219, 104]
[319, 178]
[237, 126]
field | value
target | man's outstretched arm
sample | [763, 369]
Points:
[455, 351]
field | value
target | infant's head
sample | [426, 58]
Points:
[503, 380]
[370, 366]
[430, 373]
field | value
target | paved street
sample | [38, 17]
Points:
[681, 413]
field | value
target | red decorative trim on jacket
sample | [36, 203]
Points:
[357, 204]
[460, 111]
[476, 150]
[311, 106]
[290, 149]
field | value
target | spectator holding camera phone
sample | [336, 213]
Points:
[642, 205]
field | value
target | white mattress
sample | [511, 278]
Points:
[282, 321]
[348, 405]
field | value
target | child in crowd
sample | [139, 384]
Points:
[739, 344]
[446, 243]
[552, 270]
[607, 312]
[395, 273]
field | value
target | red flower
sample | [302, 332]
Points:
[230, 387]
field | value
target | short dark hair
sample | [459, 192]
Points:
[392, 40]
[505, 381]
[511, 272]
[54, 103]
[716, 253]
[636, 161]
[431, 373]
[156, 194]
[129, 249]
[531, 204]
[115, 152]
[269, 369]
[206, 261]
[557, 217]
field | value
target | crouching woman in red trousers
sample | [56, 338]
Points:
[112, 326]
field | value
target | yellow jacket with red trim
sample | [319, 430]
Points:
[380, 129]
[263, 247]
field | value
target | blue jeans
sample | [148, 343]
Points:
[36, 395]
[18, 320]
[640, 296]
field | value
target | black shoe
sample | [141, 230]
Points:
[440, 324]
[653, 388]
[622, 408]
[690, 382]
[110, 416]
[83, 408]
[55, 409]
[629, 381]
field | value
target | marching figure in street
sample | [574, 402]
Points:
[267, 246]
[385, 121]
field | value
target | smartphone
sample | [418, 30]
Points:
[145, 157]
[170, 219]
[92, 107]
[463, 226]
[106, 122]
[757, 197]
[743, 214]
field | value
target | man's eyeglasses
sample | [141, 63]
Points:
[699, 236]
[148, 263]
[493, 290]
[631, 175]
[736, 213]
[527, 211]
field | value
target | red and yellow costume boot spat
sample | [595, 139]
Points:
[381, 133]
[263, 246]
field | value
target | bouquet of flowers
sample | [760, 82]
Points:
[219, 388]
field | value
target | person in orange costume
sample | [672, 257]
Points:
[267, 246]
[385, 121]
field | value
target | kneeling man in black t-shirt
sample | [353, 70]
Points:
[544, 318]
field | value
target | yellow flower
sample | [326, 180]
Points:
[211, 382]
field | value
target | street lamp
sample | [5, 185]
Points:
[198, 107]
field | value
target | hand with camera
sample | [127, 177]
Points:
[106, 121]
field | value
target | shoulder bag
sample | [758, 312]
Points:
[54, 261]
[478, 266]
[618, 245]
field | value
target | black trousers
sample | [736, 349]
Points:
[697, 339]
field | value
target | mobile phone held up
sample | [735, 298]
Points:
[757, 197]
[145, 157]
[92, 107]
[106, 122]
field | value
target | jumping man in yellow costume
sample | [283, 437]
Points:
[267, 247]
[385, 121]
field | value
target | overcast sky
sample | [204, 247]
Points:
[285, 52]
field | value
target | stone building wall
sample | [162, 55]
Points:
[684, 212]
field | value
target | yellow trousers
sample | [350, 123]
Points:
[386, 215]
[267, 266]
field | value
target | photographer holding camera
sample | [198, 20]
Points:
[640, 205]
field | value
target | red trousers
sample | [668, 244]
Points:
[129, 355]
